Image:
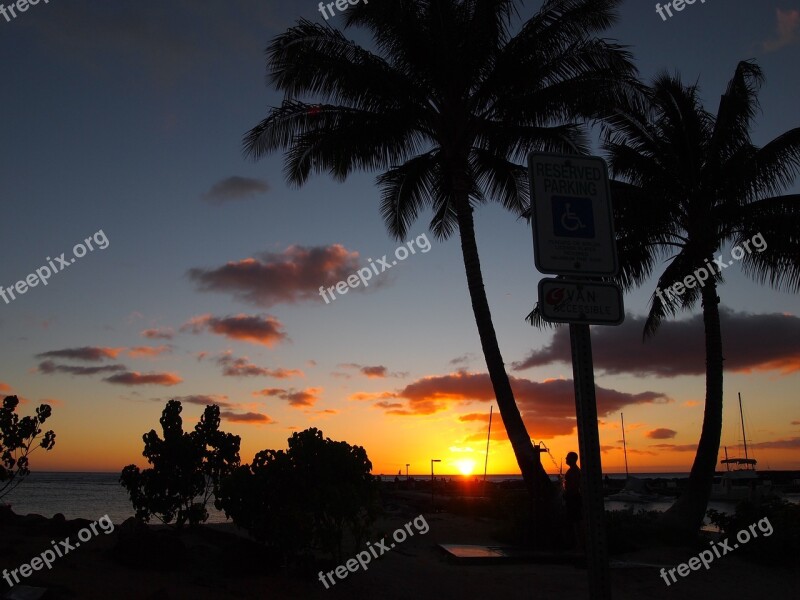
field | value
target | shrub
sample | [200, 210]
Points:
[304, 498]
[16, 442]
[186, 468]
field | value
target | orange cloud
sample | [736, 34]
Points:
[266, 330]
[4, 387]
[242, 367]
[135, 378]
[372, 372]
[220, 400]
[148, 351]
[661, 434]
[87, 353]
[248, 417]
[49, 367]
[788, 30]
[548, 407]
[291, 276]
[295, 398]
[158, 334]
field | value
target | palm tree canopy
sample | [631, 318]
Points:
[694, 182]
[449, 102]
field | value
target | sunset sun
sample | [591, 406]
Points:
[465, 466]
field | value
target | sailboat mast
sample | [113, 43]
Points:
[741, 416]
[488, 435]
[624, 445]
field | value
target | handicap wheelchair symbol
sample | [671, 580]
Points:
[573, 217]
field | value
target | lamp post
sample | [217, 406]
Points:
[433, 460]
[407, 465]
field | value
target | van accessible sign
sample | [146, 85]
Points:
[573, 231]
[590, 303]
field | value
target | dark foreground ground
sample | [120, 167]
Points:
[217, 562]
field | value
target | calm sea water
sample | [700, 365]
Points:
[79, 495]
[93, 495]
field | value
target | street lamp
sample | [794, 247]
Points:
[407, 465]
[433, 460]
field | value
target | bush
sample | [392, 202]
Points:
[187, 468]
[780, 547]
[16, 442]
[304, 498]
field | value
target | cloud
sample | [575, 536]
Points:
[373, 396]
[49, 367]
[463, 359]
[235, 188]
[793, 422]
[372, 372]
[289, 277]
[676, 447]
[87, 353]
[242, 367]
[678, 346]
[256, 329]
[203, 400]
[295, 398]
[158, 334]
[788, 30]
[661, 434]
[131, 378]
[148, 351]
[4, 387]
[790, 444]
[474, 417]
[248, 417]
[547, 407]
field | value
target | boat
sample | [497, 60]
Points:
[635, 490]
[740, 480]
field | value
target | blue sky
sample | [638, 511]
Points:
[122, 118]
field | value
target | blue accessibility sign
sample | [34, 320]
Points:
[573, 217]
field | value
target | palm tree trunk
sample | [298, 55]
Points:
[533, 473]
[685, 517]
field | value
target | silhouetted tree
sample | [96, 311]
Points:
[448, 106]
[186, 468]
[303, 498]
[694, 182]
[16, 442]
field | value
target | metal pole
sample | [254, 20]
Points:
[744, 435]
[624, 445]
[591, 468]
[407, 464]
[488, 435]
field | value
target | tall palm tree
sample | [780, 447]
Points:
[694, 183]
[447, 107]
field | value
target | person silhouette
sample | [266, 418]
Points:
[572, 499]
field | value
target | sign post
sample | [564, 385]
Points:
[573, 235]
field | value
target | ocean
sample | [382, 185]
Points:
[93, 495]
[79, 495]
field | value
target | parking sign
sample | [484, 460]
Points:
[573, 231]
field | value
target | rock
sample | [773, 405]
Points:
[139, 545]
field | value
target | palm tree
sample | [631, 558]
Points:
[447, 107]
[694, 183]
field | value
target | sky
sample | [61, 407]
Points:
[197, 270]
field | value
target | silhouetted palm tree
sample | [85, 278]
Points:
[695, 183]
[447, 106]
